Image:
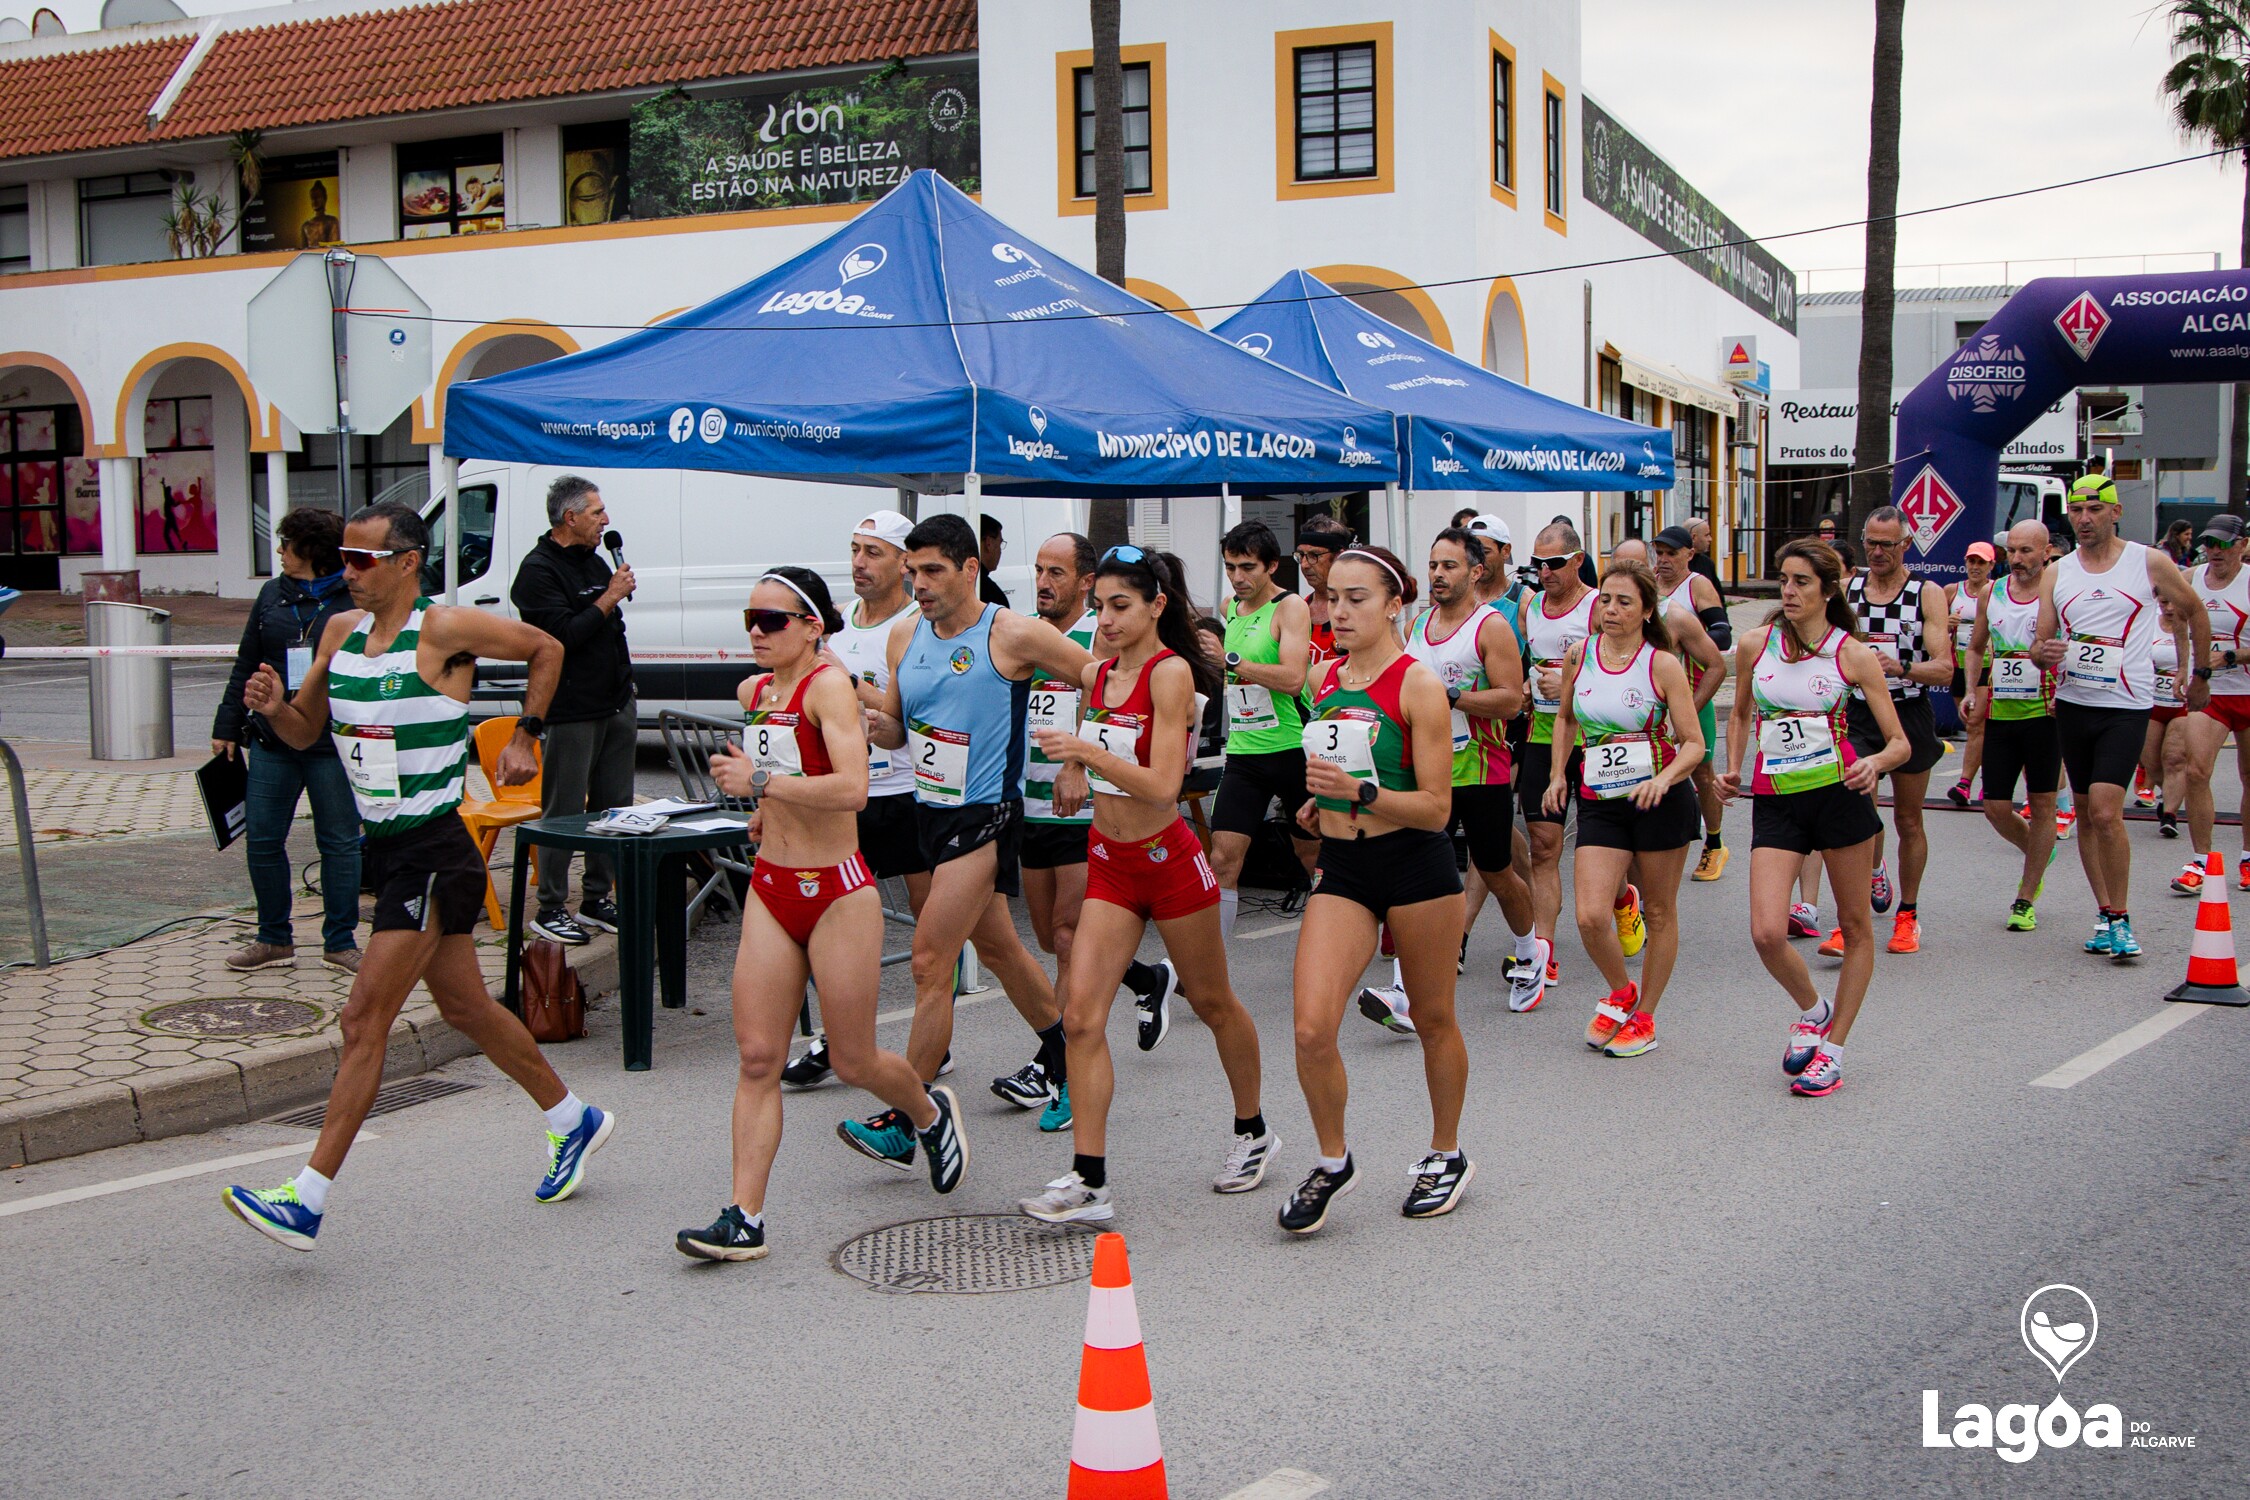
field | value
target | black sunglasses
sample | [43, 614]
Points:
[1550, 564]
[772, 620]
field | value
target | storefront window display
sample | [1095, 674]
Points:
[297, 206]
[179, 501]
[35, 444]
[597, 182]
[451, 187]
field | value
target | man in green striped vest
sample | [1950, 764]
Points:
[390, 684]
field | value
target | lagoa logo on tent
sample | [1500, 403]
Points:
[1038, 446]
[859, 261]
[1650, 468]
[1260, 344]
[2058, 1324]
[1448, 464]
[683, 423]
[713, 426]
[1352, 454]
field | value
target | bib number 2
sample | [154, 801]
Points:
[941, 764]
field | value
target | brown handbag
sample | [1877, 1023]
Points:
[554, 1001]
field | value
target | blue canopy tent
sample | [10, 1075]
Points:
[926, 345]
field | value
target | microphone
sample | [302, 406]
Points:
[616, 546]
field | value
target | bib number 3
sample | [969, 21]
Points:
[1347, 744]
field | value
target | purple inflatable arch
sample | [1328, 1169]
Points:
[2051, 338]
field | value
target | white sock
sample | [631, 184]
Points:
[1230, 906]
[1398, 977]
[312, 1190]
[755, 1221]
[1833, 1049]
[1334, 1164]
[1820, 1012]
[1527, 947]
[568, 1115]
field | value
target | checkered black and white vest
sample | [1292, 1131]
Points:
[1899, 622]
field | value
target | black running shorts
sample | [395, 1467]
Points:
[1487, 815]
[1825, 817]
[1404, 867]
[428, 876]
[2029, 748]
[1617, 824]
[950, 832]
[889, 839]
[1533, 767]
[1250, 783]
[2100, 744]
[1923, 747]
[1050, 846]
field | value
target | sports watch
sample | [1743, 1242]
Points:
[531, 726]
[1368, 791]
[1234, 659]
[1453, 696]
[758, 781]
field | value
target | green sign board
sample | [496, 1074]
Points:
[1634, 185]
[846, 142]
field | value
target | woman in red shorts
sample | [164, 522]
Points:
[2165, 752]
[1143, 865]
[815, 912]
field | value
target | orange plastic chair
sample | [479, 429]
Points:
[509, 806]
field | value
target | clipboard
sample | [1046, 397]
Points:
[224, 783]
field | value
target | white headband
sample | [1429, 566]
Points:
[1371, 557]
[820, 618]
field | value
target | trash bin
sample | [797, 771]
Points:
[131, 696]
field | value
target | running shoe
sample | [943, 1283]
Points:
[1528, 985]
[1461, 965]
[2100, 942]
[1635, 1037]
[2242, 874]
[566, 1161]
[1025, 1088]
[2065, 824]
[1246, 1163]
[730, 1237]
[600, 912]
[2189, 882]
[1711, 863]
[1879, 888]
[1611, 1015]
[1307, 1208]
[1632, 932]
[1834, 947]
[559, 926]
[1156, 1007]
[944, 1143]
[2144, 795]
[2023, 917]
[887, 1138]
[1805, 1037]
[1906, 933]
[277, 1213]
[1068, 1200]
[1804, 919]
[810, 1070]
[1958, 793]
[1439, 1182]
[1056, 1117]
[1554, 970]
[2167, 823]
[1825, 1075]
[2124, 948]
[1386, 1007]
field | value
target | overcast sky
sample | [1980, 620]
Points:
[1762, 104]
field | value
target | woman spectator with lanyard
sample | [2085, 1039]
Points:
[284, 626]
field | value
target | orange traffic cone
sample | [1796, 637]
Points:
[2211, 977]
[1114, 1454]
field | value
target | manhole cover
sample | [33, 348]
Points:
[968, 1253]
[232, 1015]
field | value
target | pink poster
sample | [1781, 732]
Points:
[179, 504]
[82, 506]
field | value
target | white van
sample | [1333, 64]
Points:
[697, 543]
[2026, 497]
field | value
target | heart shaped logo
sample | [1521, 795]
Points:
[862, 260]
[2059, 1325]
[1038, 421]
[1447, 437]
[1255, 343]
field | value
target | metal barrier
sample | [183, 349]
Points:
[20, 795]
[129, 698]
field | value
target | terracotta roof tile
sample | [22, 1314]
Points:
[470, 52]
[81, 101]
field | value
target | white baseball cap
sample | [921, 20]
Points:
[1492, 526]
[886, 526]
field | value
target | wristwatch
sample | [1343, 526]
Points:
[2230, 661]
[1368, 791]
[532, 727]
[1234, 659]
[2203, 674]
[758, 781]
[1453, 696]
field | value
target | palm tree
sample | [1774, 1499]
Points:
[2208, 87]
[1871, 453]
[1106, 521]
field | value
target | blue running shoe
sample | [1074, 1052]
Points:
[277, 1213]
[2123, 946]
[1805, 1037]
[1056, 1116]
[2101, 941]
[1879, 889]
[887, 1137]
[566, 1166]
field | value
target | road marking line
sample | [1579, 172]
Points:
[2132, 1039]
[1282, 1484]
[959, 1002]
[169, 1174]
[1267, 932]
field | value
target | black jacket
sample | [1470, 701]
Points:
[555, 589]
[288, 612]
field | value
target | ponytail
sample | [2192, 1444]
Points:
[1175, 625]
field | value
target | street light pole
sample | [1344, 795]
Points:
[340, 264]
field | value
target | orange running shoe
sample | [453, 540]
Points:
[1834, 947]
[1906, 933]
[1634, 1037]
[1612, 1015]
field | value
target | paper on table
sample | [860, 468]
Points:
[672, 807]
[709, 825]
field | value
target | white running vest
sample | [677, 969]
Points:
[861, 649]
[2229, 610]
[2108, 624]
[1455, 659]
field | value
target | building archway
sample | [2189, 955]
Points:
[1507, 347]
[1390, 296]
[49, 486]
[493, 349]
[132, 398]
[1164, 297]
[188, 427]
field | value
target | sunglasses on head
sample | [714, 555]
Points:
[360, 557]
[771, 620]
[1551, 564]
[1125, 552]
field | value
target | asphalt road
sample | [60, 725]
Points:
[1670, 1277]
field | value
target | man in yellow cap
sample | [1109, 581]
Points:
[2095, 483]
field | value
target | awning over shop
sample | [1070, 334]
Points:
[1674, 384]
[924, 341]
[1463, 427]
